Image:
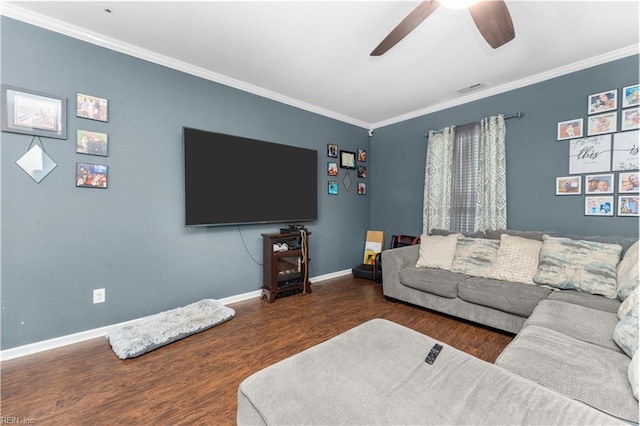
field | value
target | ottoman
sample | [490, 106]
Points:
[376, 373]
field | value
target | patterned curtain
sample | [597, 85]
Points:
[437, 180]
[491, 202]
[465, 178]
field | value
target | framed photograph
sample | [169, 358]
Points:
[362, 188]
[631, 96]
[33, 113]
[630, 119]
[92, 107]
[628, 182]
[362, 156]
[92, 175]
[603, 123]
[569, 185]
[625, 151]
[598, 206]
[599, 184]
[332, 150]
[347, 159]
[571, 129]
[628, 205]
[332, 187]
[603, 101]
[590, 155]
[92, 143]
[332, 168]
[362, 172]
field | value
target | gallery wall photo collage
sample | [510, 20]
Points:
[603, 153]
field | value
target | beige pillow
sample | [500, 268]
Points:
[517, 259]
[437, 251]
[627, 272]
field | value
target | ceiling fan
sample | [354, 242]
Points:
[491, 17]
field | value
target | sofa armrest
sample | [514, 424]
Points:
[395, 260]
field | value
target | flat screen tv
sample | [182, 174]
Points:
[232, 180]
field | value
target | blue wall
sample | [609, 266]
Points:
[534, 157]
[60, 242]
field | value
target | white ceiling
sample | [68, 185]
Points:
[315, 55]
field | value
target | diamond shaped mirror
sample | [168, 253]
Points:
[36, 163]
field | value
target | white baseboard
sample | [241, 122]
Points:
[45, 345]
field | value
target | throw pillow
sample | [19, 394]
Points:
[475, 256]
[633, 374]
[628, 303]
[579, 265]
[627, 272]
[626, 332]
[437, 251]
[517, 259]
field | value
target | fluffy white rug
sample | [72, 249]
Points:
[149, 333]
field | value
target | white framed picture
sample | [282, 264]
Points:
[630, 119]
[631, 96]
[569, 185]
[599, 184]
[598, 206]
[603, 101]
[603, 123]
[628, 205]
[570, 129]
[590, 155]
[625, 151]
[628, 182]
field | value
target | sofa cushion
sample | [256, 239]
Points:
[579, 322]
[515, 298]
[475, 256]
[628, 303]
[435, 281]
[517, 259]
[437, 251]
[586, 299]
[478, 234]
[627, 272]
[583, 371]
[626, 332]
[578, 264]
[495, 234]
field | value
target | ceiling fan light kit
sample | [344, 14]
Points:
[491, 17]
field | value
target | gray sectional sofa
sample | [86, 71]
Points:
[572, 302]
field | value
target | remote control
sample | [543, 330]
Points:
[433, 353]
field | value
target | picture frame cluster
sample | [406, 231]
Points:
[606, 161]
[347, 160]
[92, 142]
[38, 114]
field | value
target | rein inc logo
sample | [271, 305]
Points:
[12, 420]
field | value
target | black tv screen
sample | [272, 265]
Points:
[234, 180]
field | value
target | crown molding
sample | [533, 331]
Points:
[85, 35]
[537, 78]
[58, 26]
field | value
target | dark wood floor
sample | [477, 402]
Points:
[195, 380]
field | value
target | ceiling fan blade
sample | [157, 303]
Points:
[494, 22]
[407, 25]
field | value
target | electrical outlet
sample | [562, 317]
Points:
[99, 295]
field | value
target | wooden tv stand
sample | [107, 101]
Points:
[285, 272]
